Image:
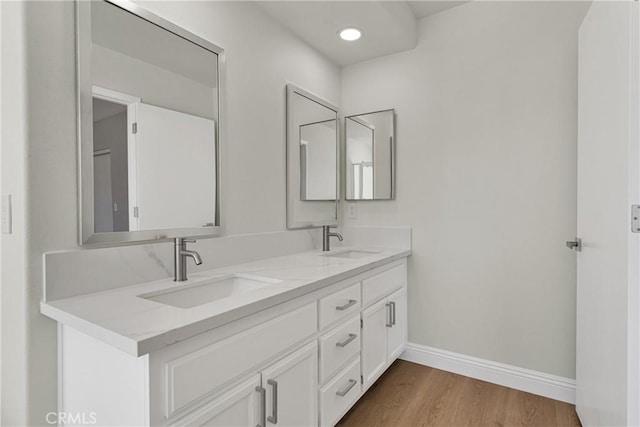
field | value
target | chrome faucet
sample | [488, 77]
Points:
[326, 236]
[180, 254]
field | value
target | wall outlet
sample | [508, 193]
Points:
[5, 214]
[352, 210]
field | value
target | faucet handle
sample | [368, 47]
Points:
[189, 240]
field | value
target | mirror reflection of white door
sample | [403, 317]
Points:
[608, 265]
[363, 181]
[172, 170]
[103, 199]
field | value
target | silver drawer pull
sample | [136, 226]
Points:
[273, 418]
[347, 305]
[389, 324]
[346, 390]
[347, 341]
[393, 313]
[263, 404]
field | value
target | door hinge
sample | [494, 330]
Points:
[134, 128]
[635, 218]
[135, 212]
[576, 244]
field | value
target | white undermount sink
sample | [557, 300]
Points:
[188, 296]
[352, 253]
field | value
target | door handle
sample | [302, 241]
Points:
[393, 313]
[347, 341]
[273, 418]
[346, 390]
[263, 404]
[347, 305]
[576, 244]
[389, 323]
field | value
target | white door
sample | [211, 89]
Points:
[607, 265]
[397, 333]
[239, 406]
[291, 386]
[374, 341]
[174, 169]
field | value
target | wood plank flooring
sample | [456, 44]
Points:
[410, 395]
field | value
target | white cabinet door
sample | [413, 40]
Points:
[291, 386]
[239, 406]
[397, 333]
[374, 341]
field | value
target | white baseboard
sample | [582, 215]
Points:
[551, 386]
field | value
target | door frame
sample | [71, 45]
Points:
[132, 171]
[633, 253]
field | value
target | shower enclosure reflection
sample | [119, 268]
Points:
[370, 156]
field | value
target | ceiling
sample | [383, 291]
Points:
[116, 29]
[387, 26]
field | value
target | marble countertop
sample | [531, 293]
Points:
[121, 318]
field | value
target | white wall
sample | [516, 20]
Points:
[38, 78]
[486, 175]
[15, 297]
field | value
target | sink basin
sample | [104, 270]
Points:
[353, 254]
[187, 296]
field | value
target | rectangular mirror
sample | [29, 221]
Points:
[312, 160]
[370, 156]
[149, 126]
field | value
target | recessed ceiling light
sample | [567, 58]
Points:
[350, 34]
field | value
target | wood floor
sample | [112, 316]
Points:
[414, 395]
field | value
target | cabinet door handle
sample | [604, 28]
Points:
[347, 305]
[389, 323]
[263, 404]
[347, 341]
[273, 418]
[346, 390]
[393, 313]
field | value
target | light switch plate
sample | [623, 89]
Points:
[352, 211]
[5, 214]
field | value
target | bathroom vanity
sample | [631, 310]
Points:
[293, 340]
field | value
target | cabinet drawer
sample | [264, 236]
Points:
[192, 376]
[338, 396]
[339, 305]
[382, 284]
[338, 346]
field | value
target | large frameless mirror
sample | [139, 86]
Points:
[312, 160]
[370, 156]
[149, 126]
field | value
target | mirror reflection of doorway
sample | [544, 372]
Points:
[103, 199]
[363, 180]
[110, 166]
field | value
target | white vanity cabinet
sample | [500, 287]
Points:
[304, 362]
[384, 335]
[283, 394]
[239, 406]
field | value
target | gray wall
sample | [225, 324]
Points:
[486, 165]
[38, 79]
[111, 133]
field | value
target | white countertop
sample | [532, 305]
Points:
[138, 326]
